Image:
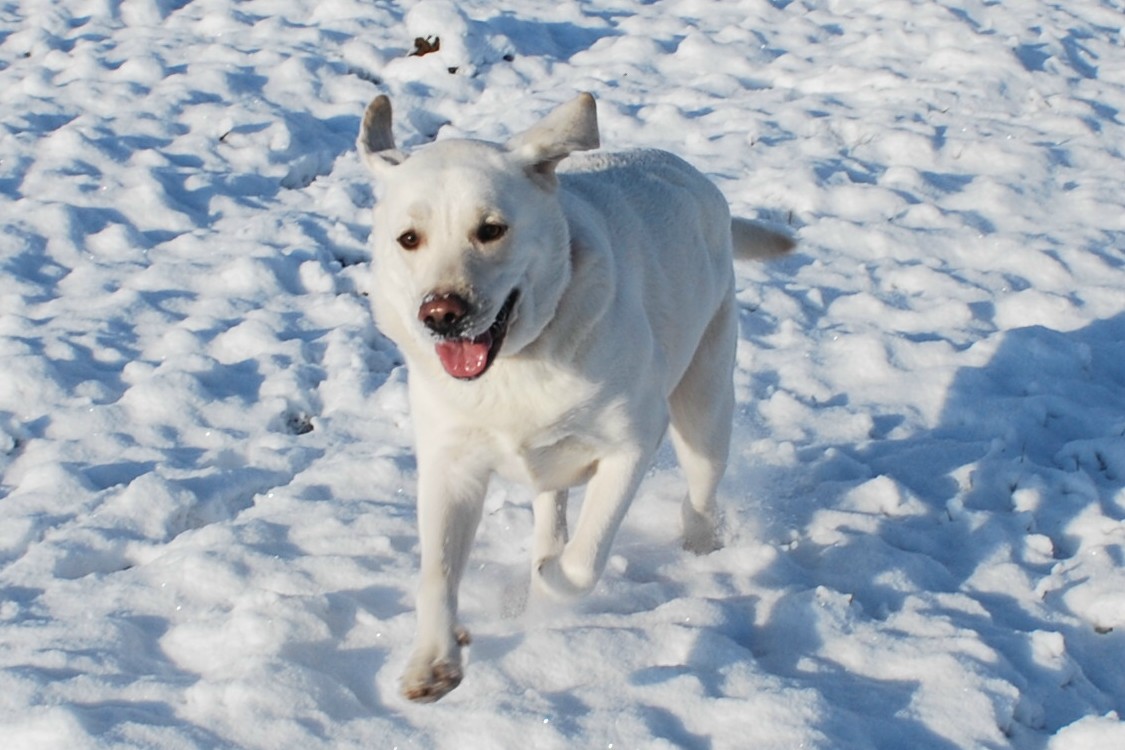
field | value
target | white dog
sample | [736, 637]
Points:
[554, 324]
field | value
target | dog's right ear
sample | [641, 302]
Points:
[570, 127]
[376, 142]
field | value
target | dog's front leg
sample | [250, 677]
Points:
[450, 497]
[578, 567]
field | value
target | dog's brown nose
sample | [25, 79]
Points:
[443, 313]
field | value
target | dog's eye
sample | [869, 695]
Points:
[490, 231]
[409, 240]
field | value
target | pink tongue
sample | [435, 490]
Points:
[465, 358]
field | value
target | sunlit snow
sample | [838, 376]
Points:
[206, 480]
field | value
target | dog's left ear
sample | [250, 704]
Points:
[376, 141]
[570, 127]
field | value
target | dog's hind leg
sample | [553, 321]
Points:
[550, 525]
[701, 409]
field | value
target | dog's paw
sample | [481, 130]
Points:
[561, 581]
[701, 532]
[428, 679]
[427, 683]
[703, 544]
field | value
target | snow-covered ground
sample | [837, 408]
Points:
[206, 484]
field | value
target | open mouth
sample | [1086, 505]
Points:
[468, 359]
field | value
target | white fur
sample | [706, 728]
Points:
[625, 324]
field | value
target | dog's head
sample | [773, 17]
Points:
[471, 248]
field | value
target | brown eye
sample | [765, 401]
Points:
[490, 231]
[409, 240]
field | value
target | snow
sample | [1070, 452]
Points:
[206, 481]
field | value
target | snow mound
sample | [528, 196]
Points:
[448, 37]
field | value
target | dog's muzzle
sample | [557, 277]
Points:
[448, 316]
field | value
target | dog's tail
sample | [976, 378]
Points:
[753, 241]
